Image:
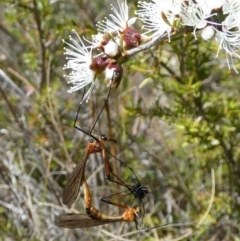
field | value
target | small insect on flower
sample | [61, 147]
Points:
[83, 65]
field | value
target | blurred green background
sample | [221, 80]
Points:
[175, 117]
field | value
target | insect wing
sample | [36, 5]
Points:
[71, 190]
[72, 221]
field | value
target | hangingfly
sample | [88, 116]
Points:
[71, 190]
[94, 217]
[130, 214]
[75, 180]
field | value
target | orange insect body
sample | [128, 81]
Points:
[71, 190]
[95, 217]
[130, 214]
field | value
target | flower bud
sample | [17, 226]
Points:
[112, 49]
[99, 40]
[131, 38]
[113, 74]
[208, 32]
[98, 64]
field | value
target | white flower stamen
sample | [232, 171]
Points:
[157, 16]
[119, 19]
[196, 15]
[79, 61]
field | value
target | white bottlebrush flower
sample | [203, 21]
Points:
[215, 4]
[228, 48]
[231, 6]
[208, 6]
[158, 16]
[84, 67]
[196, 14]
[119, 19]
[118, 27]
[229, 37]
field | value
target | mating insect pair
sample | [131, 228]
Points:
[97, 217]
[77, 178]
